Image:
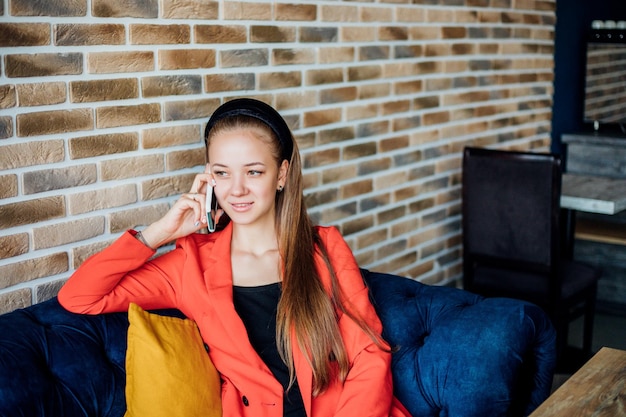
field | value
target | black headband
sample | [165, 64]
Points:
[258, 110]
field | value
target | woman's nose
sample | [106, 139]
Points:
[238, 186]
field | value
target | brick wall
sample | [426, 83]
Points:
[102, 105]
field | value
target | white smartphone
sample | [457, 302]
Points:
[211, 208]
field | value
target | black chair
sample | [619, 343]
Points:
[512, 238]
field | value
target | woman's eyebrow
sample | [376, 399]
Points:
[250, 164]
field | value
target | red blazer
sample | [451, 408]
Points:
[196, 278]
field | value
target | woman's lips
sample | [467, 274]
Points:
[240, 207]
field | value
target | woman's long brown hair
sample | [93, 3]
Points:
[305, 308]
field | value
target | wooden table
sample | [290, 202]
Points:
[597, 389]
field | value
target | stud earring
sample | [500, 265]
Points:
[280, 188]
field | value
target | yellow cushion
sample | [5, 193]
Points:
[168, 371]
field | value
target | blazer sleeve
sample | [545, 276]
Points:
[122, 273]
[368, 389]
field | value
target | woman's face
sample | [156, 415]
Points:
[246, 175]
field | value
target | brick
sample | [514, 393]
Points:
[14, 300]
[406, 123]
[58, 178]
[8, 96]
[186, 159]
[351, 34]
[409, 14]
[377, 14]
[8, 186]
[165, 187]
[31, 269]
[159, 34]
[373, 166]
[334, 214]
[334, 13]
[174, 59]
[25, 154]
[31, 211]
[293, 56]
[81, 253]
[229, 82]
[362, 73]
[51, 122]
[321, 158]
[41, 94]
[321, 197]
[117, 169]
[374, 53]
[318, 34]
[294, 99]
[119, 62]
[398, 106]
[277, 80]
[244, 58]
[394, 143]
[360, 150]
[337, 54]
[424, 33]
[295, 12]
[236, 10]
[13, 245]
[341, 173]
[190, 9]
[321, 117]
[355, 189]
[374, 90]
[372, 128]
[48, 290]
[371, 237]
[393, 33]
[272, 34]
[453, 32]
[103, 90]
[127, 115]
[171, 85]
[338, 95]
[43, 65]
[50, 8]
[97, 145]
[143, 216]
[164, 137]
[89, 34]
[324, 76]
[100, 199]
[63, 233]
[336, 135]
[362, 111]
[24, 34]
[215, 34]
[147, 9]
[190, 109]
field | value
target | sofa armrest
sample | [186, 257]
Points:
[460, 354]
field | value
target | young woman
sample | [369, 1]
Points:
[280, 302]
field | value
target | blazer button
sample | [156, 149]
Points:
[245, 401]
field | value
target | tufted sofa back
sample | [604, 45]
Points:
[457, 355]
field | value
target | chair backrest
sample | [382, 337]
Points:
[510, 209]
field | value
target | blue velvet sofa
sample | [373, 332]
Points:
[458, 354]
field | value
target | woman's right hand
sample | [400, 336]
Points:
[187, 215]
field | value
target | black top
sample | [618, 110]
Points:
[257, 308]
